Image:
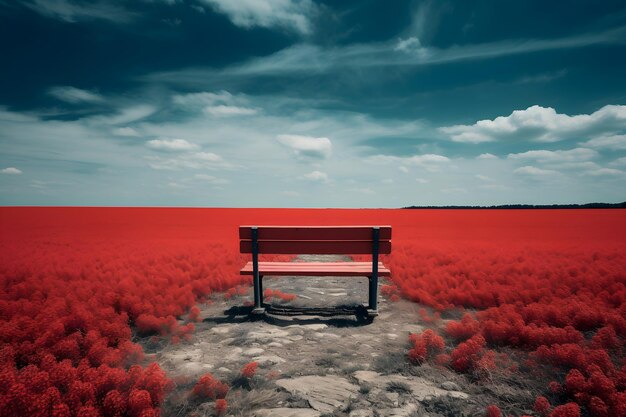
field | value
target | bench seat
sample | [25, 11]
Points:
[339, 269]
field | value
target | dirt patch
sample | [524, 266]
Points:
[311, 365]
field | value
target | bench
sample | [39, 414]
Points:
[318, 240]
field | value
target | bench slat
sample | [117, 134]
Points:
[321, 247]
[314, 232]
[347, 269]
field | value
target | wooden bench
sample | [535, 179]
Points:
[319, 240]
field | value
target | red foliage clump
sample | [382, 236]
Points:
[249, 369]
[425, 345]
[567, 410]
[542, 405]
[493, 411]
[220, 406]
[210, 387]
[269, 293]
[463, 330]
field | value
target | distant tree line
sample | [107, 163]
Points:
[530, 206]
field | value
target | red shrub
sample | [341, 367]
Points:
[567, 410]
[542, 405]
[425, 345]
[463, 330]
[493, 411]
[220, 406]
[466, 355]
[249, 369]
[210, 387]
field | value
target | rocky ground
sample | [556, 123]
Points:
[317, 366]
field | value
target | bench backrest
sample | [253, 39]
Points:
[320, 240]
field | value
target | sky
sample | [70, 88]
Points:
[302, 103]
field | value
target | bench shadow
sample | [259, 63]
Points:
[338, 316]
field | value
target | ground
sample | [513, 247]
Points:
[320, 366]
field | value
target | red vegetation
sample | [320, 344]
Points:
[425, 345]
[493, 411]
[220, 406]
[77, 282]
[567, 410]
[268, 294]
[210, 387]
[542, 405]
[249, 369]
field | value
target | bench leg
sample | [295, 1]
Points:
[258, 295]
[372, 309]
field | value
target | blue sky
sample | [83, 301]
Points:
[296, 103]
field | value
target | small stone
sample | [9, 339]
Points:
[450, 386]
[286, 412]
[221, 329]
[253, 352]
[271, 359]
[361, 413]
[275, 344]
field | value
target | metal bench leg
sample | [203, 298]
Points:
[372, 309]
[258, 295]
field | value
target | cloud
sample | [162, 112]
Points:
[540, 124]
[72, 12]
[316, 176]
[220, 104]
[307, 146]
[226, 111]
[292, 15]
[429, 162]
[486, 156]
[171, 145]
[531, 171]
[125, 131]
[11, 171]
[308, 59]
[543, 156]
[75, 95]
[211, 179]
[125, 115]
[190, 160]
[615, 142]
[604, 172]
[422, 180]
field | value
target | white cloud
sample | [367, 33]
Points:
[427, 159]
[615, 142]
[171, 145]
[429, 162]
[307, 146]
[125, 131]
[305, 58]
[317, 176]
[422, 180]
[403, 169]
[292, 15]
[486, 156]
[540, 124]
[72, 12]
[484, 178]
[543, 156]
[11, 171]
[605, 172]
[75, 95]
[226, 111]
[220, 104]
[211, 179]
[125, 115]
[619, 161]
[532, 171]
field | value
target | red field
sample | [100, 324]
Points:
[77, 282]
